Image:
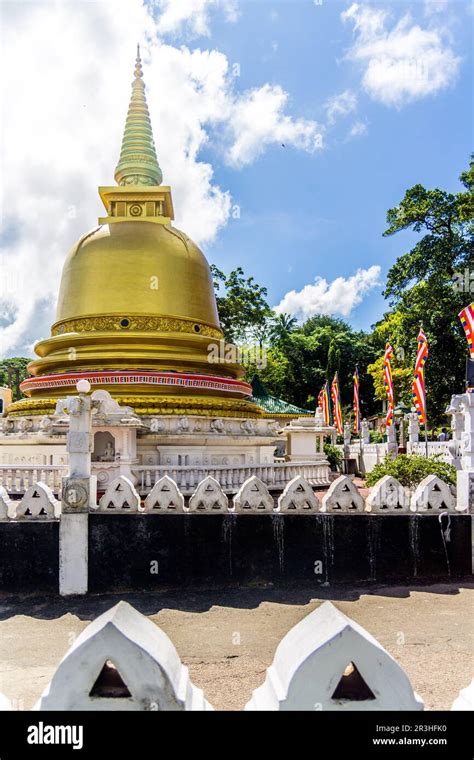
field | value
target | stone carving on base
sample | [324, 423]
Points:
[8, 425]
[248, 426]
[122, 661]
[329, 662]
[38, 503]
[253, 496]
[217, 426]
[298, 496]
[164, 497]
[25, 425]
[342, 496]
[387, 495]
[120, 496]
[46, 425]
[157, 425]
[208, 497]
[183, 425]
[432, 493]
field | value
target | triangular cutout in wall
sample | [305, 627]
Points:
[352, 686]
[109, 684]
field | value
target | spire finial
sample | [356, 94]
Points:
[138, 65]
[138, 164]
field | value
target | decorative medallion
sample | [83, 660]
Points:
[75, 494]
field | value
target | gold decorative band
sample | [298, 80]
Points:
[134, 323]
[155, 405]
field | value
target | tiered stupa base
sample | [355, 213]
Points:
[146, 392]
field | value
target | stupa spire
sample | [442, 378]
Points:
[138, 164]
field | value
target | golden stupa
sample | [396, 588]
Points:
[136, 312]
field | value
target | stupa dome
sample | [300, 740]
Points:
[129, 269]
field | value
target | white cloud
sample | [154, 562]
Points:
[340, 105]
[191, 16]
[401, 64]
[358, 129]
[258, 119]
[340, 296]
[63, 112]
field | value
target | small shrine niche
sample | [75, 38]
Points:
[104, 447]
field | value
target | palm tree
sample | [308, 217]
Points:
[282, 326]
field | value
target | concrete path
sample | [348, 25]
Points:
[228, 637]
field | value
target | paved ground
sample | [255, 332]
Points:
[428, 629]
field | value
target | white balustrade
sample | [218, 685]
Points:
[19, 478]
[187, 477]
[374, 453]
[441, 449]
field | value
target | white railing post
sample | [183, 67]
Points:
[78, 494]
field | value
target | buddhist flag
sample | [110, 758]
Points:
[419, 391]
[323, 403]
[336, 405]
[388, 382]
[356, 402]
[467, 318]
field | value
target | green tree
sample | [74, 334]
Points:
[431, 283]
[466, 198]
[243, 309]
[281, 326]
[298, 366]
[402, 378]
[12, 372]
[274, 374]
[390, 330]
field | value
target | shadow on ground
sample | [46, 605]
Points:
[194, 599]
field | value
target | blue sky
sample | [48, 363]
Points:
[324, 214]
[367, 98]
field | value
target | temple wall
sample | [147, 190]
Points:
[146, 552]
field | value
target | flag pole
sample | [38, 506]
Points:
[359, 429]
[426, 406]
[426, 427]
